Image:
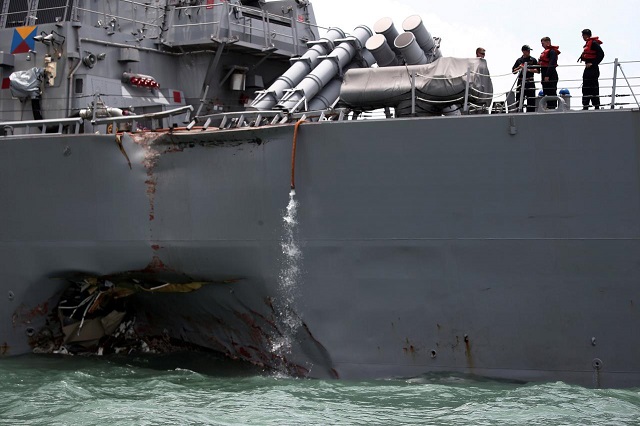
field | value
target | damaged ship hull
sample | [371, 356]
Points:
[424, 248]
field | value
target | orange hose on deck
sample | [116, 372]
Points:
[293, 153]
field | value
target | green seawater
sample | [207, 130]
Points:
[207, 390]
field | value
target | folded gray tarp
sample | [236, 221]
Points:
[441, 83]
[26, 84]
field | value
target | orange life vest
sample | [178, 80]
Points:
[588, 53]
[544, 57]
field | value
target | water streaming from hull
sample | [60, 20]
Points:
[288, 321]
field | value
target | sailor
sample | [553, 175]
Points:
[480, 52]
[529, 84]
[548, 63]
[591, 56]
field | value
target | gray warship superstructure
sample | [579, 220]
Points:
[197, 174]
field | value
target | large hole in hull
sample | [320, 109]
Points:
[151, 313]
[102, 315]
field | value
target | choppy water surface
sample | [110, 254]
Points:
[206, 390]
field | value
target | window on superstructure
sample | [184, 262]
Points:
[79, 87]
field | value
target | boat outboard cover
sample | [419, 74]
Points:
[441, 83]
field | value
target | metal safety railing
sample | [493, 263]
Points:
[245, 119]
[145, 17]
[224, 20]
[620, 86]
[50, 126]
[130, 121]
[17, 14]
[73, 125]
[616, 87]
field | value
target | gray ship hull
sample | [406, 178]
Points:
[500, 246]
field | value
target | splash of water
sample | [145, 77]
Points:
[288, 280]
[290, 249]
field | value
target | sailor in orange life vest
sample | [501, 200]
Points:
[591, 56]
[548, 62]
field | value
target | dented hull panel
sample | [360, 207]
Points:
[507, 256]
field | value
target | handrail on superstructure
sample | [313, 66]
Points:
[143, 6]
[223, 17]
[123, 18]
[33, 7]
[29, 18]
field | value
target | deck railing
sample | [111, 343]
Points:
[50, 126]
[235, 120]
[617, 88]
[113, 124]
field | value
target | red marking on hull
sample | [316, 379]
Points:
[156, 265]
[24, 314]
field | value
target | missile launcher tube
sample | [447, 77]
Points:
[328, 68]
[380, 49]
[414, 25]
[323, 100]
[300, 68]
[411, 51]
[331, 91]
[385, 27]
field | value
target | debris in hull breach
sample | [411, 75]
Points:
[94, 310]
[149, 311]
